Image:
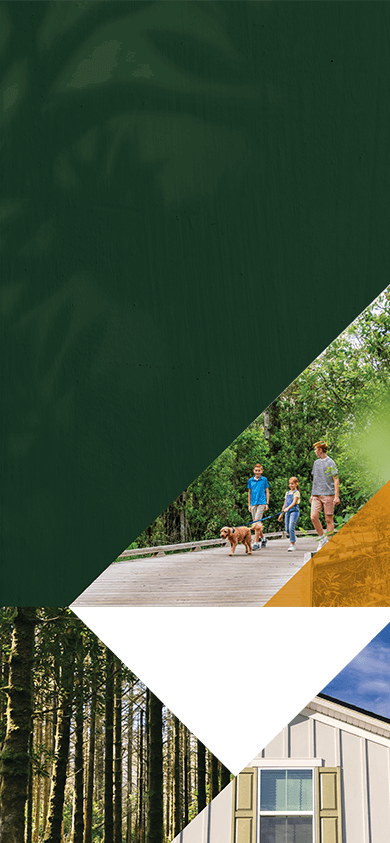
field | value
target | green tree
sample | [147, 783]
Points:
[118, 752]
[225, 776]
[213, 775]
[211, 498]
[177, 819]
[185, 774]
[141, 774]
[201, 775]
[14, 761]
[78, 815]
[109, 750]
[155, 820]
[129, 761]
[64, 714]
[91, 760]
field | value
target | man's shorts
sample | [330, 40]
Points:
[319, 501]
[257, 513]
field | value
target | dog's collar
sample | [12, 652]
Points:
[234, 529]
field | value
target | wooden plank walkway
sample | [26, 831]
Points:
[208, 577]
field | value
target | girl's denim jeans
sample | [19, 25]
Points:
[290, 520]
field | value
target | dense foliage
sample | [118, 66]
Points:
[343, 397]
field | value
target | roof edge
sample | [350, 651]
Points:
[354, 707]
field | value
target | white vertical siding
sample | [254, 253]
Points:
[365, 772]
[379, 790]
[354, 792]
[365, 779]
[278, 748]
[326, 743]
[300, 733]
[219, 821]
[214, 824]
[337, 746]
[366, 815]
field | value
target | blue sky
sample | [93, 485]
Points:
[365, 681]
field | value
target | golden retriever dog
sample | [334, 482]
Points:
[236, 535]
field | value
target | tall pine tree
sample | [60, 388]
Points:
[155, 823]
[14, 760]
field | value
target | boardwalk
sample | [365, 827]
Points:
[207, 577]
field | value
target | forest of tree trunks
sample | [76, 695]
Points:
[88, 753]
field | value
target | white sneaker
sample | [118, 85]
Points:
[292, 547]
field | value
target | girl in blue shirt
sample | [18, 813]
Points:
[291, 510]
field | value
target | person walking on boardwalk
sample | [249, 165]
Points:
[258, 502]
[325, 491]
[290, 510]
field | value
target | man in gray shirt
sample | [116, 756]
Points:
[325, 491]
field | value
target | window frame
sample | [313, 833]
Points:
[262, 767]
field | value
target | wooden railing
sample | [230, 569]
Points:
[163, 549]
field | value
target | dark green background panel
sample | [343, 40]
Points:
[195, 202]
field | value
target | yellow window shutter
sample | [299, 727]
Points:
[245, 806]
[328, 805]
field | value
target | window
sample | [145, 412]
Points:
[290, 804]
[286, 806]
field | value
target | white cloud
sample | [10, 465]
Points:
[365, 681]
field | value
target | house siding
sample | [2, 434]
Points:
[214, 824]
[365, 772]
[363, 755]
[378, 770]
[354, 789]
[299, 738]
[327, 743]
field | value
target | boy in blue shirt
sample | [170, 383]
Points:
[258, 502]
